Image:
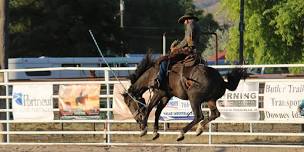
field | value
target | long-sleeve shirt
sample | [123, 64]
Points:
[191, 38]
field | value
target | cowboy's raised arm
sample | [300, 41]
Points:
[187, 41]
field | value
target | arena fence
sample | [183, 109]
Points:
[107, 133]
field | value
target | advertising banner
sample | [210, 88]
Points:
[241, 104]
[80, 101]
[281, 100]
[177, 109]
[120, 109]
[32, 102]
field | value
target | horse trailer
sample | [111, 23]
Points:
[50, 62]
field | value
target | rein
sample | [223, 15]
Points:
[115, 75]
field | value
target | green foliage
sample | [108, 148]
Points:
[144, 31]
[273, 31]
[60, 27]
[223, 36]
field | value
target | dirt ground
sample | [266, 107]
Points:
[65, 148]
[164, 139]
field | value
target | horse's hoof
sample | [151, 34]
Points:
[143, 132]
[180, 137]
[155, 135]
[199, 131]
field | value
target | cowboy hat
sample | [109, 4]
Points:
[187, 16]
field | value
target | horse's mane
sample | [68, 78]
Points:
[143, 66]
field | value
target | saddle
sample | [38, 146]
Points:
[188, 61]
[191, 60]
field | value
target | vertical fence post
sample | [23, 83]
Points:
[2, 114]
[7, 107]
[164, 44]
[210, 131]
[106, 74]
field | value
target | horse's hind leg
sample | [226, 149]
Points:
[198, 116]
[199, 129]
[161, 105]
[214, 113]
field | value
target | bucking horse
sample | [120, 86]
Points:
[197, 83]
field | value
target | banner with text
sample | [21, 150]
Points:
[241, 104]
[32, 102]
[79, 101]
[281, 100]
[177, 109]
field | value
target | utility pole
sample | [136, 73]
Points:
[3, 33]
[241, 29]
[122, 8]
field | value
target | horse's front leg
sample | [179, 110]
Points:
[161, 105]
[153, 102]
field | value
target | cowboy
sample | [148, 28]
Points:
[180, 50]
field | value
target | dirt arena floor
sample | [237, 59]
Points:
[70, 148]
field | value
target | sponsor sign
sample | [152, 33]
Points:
[281, 100]
[79, 101]
[241, 104]
[177, 109]
[32, 102]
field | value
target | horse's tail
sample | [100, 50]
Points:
[234, 78]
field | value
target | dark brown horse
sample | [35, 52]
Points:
[198, 84]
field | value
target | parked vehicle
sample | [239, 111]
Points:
[48, 62]
[268, 70]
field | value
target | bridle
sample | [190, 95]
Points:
[141, 106]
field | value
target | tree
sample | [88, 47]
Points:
[144, 31]
[273, 32]
[3, 60]
[60, 28]
[3, 34]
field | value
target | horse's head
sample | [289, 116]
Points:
[136, 106]
[139, 84]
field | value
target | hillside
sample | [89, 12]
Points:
[213, 7]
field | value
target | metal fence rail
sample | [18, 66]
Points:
[108, 96]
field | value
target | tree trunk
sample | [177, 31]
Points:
[3, 59]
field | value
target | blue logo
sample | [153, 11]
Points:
[17, 97]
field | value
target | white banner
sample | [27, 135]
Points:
[241, 104]
[177, 109]
[281, 100]
[120, 109]
[32, 102]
